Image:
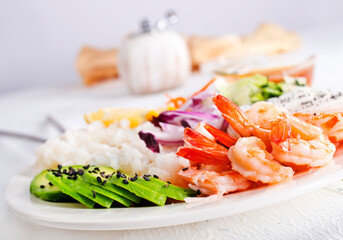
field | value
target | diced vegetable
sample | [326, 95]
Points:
[249, 90]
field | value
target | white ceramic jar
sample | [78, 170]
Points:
[154, 62]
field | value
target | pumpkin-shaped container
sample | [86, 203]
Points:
[154, 62]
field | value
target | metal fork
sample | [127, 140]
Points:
[49, 119]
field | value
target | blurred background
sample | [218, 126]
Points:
[40, 40]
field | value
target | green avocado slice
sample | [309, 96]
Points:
[66, 189]
[87, 190]
[140, 190]
[91, 176]
[171, 191]
[124, 201]
[45, 190]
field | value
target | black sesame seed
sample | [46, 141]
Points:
[57, 174]
[155, 176]
[198, 192]
[168, 182]
[146, 178]
[108, 176]
[59, 166]
[134, 178]
[80, 172]
[103, 183]
[96, 169]
[94, 195]
[86, 167]
[72, 177]
[118, 174]
[65, 171]
[314, 114]
[50, 183]
[42, 186]
[125, 181]
[90, 171]
[184, 169]
[99, 179]
[123, 175]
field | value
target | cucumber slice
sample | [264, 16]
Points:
[45, 190]
[257, 97]
[65, 188]
[271, 92]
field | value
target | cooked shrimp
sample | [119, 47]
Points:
[239, 120]
[211, 182]
[293, 142]
[201, 149]
[262, 112]
[298, 143]
[330, 123]
[250, 158]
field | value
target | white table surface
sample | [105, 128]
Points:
[316, 215]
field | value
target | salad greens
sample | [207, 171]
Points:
[256, 88]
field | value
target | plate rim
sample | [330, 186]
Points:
[191, 213]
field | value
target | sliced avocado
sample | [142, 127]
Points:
[138, 189]
[91, 176]
[66, 189]
[171, 191]
[46, 190]
[87, 190]
[124, 201]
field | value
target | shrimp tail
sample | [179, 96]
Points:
[220, 136]
[203, 156]
[234, 115]
[202, 149]
[281, 131]
[239, 121]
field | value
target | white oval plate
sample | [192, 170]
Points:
[74, 216]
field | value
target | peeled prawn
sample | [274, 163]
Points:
[250, 158]
[292, 141]
[201, 149]
[330, 123]
[298, 143]
[211, 182]
[262, 112]
[240, 121]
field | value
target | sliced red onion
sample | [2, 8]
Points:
[150, 141]
[170, 134]
[199, 103]
[198, 109]
[175, 117]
